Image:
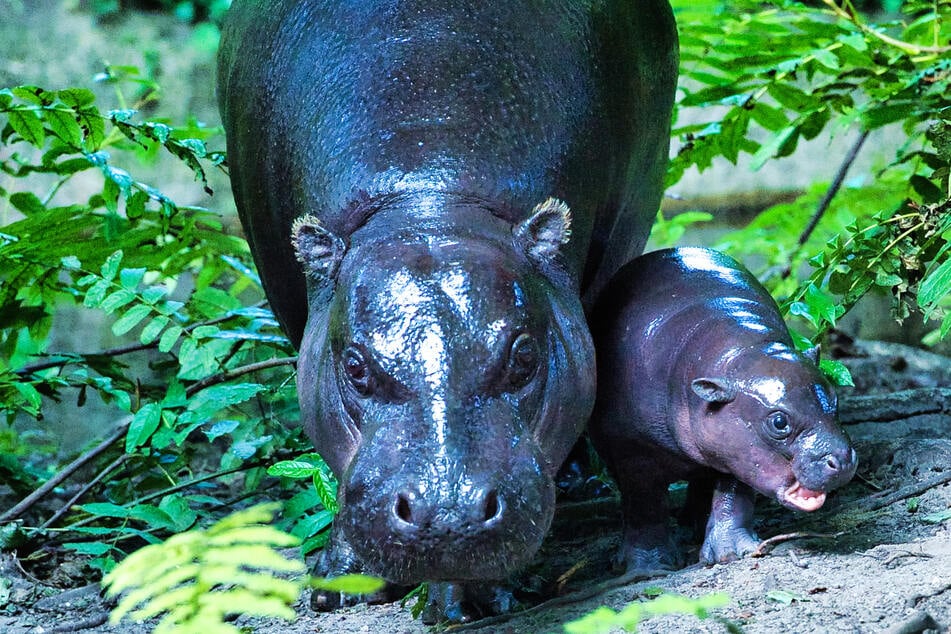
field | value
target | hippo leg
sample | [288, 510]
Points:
[462, 603]
[337, 559]
[646, 543]
[730, 533]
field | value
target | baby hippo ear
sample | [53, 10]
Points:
[812, 354]
[714, 390]
[319, 250]
[543, 234]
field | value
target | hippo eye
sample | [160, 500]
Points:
[523, 360]
[357, 369]
[777, 425]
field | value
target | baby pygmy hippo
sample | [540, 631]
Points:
[698, 380]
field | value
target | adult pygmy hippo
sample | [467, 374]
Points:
[404, 173]
[698, 379]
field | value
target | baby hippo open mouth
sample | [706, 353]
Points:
[802, 499]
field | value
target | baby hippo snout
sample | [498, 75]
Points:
[414, 514]
[827, 468]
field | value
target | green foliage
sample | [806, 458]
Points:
[185, 10]
[604, 620]
[196, 579]
[771, 74]
[202, 361]
[303, 515]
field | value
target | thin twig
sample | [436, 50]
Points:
[875, 503]
[766, 545]
[911, 49]
[227, 375]
[63, 510]
[65, 473]
[173, 489]
[120, 350]
[834, 188]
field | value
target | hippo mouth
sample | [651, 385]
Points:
[802, 499]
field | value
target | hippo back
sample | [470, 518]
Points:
[337, 109]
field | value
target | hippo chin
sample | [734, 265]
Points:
[699, 380]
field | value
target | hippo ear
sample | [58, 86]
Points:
[319, 250]
[714, 390]
[543, 234]
[812, 354]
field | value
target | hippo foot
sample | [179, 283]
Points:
[724, 544]
[327, 601]
[464, 603]
[338, 559]
[638, 559]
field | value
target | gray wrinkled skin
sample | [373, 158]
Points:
[390, 162]
[698, 379]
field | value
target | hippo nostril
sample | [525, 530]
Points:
[492, 507]
[833, 463]
[403, 510]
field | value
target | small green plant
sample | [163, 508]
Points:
[202, 382]
[312, 527]
[604, 620]
[196, 579]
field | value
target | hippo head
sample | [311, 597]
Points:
[770, 420]
[444, 378]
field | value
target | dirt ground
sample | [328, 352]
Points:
[877, 558]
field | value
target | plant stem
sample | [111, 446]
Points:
[834, 187]
[120, 350]
[65, 473]
[102, 474]
[227, 375]
[907, 47]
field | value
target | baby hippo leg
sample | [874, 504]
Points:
[730, 533]
[646, 542]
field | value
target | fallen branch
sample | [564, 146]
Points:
[84, 624]
[767, 544]
[879, 502]
[65, 473]
[886, 408]
[916, 624]
[63, 510]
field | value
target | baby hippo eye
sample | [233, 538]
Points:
[357, 370]
[523, 360]
[777, 425]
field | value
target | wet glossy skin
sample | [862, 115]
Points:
[446, 367]
[699, 380]
[447, 348]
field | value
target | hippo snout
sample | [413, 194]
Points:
[827, 470]
[415, 515]
[447, 522]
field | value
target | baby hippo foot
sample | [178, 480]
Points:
[646, 550]
[462, 603]
[338, 559]
[725, 543]
[729, 534]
